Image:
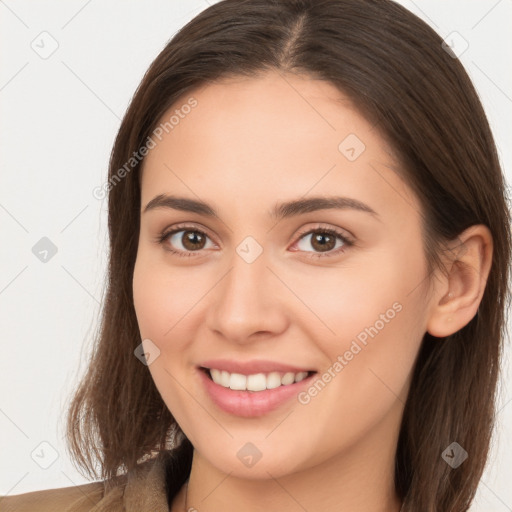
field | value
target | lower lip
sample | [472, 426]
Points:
[249, 404]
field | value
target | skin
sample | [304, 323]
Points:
[250, 143]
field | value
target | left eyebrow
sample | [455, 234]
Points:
[279, 211]
[312, 204]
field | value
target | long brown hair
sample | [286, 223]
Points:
[419, 97]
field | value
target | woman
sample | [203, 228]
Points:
[309, 263]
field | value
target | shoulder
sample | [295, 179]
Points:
[142, 488]
[79, 498]
[148, 486]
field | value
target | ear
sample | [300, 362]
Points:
[458, 295]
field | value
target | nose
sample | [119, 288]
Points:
[247, 304]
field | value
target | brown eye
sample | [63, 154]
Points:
[192, 240]
[323, 240]
[185, 242]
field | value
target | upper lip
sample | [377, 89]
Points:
[252, 367]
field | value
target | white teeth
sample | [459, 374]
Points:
[215, 375]
[288, 378]
[300, 376]
[255, 382]
[238, 381]
[273, 380]
[224, 379]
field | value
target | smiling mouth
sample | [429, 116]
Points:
[255, 382]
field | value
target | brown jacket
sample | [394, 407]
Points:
[142, 490]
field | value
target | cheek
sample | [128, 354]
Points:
[365, 380]
[161, 308]
[367, 289]
[161, 298]
[375, 315]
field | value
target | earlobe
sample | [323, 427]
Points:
[458, 298]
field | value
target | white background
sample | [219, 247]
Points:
[58, 122]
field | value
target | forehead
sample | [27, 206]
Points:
[284, 109]
[273, 135]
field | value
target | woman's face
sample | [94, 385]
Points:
[261, 288]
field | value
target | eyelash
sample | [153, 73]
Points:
[164, 236]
